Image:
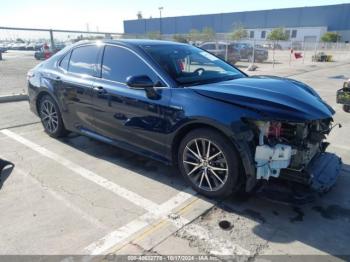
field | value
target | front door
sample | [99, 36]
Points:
[126, 115]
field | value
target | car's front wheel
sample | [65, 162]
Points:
[50, 116]
[209, 162]
[346, 108]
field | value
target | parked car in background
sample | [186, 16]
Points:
[343, 96]
[30, 46]
[19, 46]
[46, 51]
[176, 103]
[246, 50]
[261, 54]
[3, 48]
[224, 50]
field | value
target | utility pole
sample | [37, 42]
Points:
[160, 21]
[52, 41]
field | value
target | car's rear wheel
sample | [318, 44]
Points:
[346, 108]
[51, 117]
[209, 162]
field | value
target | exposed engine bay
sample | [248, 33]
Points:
[288, 150]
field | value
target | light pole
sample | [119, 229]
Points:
[160, 21]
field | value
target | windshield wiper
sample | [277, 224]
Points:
[210, 81]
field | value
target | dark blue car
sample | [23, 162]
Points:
[176, 103]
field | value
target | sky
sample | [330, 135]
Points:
[108, 15]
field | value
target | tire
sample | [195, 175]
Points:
[226, 165]
[346, 108]
[51, 117]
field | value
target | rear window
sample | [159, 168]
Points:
[83, 60]
[64, 62]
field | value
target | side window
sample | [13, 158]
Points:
[222, 47]
[64, 62]
[119, 63]
[211, 47]
[208, 47]
[83, 60]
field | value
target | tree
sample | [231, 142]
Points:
[330, 37]
[278, 34]
[180, 38]
[153, 35]
[207, 34]
[238, 32]
[194, 35]
[139, 15]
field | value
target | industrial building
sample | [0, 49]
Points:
[301, 23]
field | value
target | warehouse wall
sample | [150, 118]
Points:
[335, 17]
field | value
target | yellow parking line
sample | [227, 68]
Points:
[161, 223]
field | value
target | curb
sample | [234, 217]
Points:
[13, 98]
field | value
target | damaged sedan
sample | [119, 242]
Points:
[176, 103]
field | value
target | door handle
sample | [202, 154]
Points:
[58, 79]
[100, 90]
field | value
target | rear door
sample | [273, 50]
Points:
[79, 69]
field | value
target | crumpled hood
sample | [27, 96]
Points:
[273, 97]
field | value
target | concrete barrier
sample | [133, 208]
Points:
[13, 98]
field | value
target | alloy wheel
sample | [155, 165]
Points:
[205, 164]
[49, 116]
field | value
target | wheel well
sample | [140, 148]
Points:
[39, 97]
[184, 131]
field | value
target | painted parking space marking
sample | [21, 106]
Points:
[124, 232]
[66, 202]
[87, 174]
[155, 212]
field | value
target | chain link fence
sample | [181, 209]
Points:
[264, 53]
[21, 49]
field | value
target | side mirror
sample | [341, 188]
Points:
[141, 82]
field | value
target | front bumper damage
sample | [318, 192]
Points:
[318, 178]
[306, 163]
[320, 175]
[323, 171]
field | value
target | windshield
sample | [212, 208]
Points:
[189, 65]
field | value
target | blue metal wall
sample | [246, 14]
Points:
[335, 17]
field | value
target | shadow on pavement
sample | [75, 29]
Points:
[6, 169]
[138, 164]
[323, 224]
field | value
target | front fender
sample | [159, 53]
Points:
[185, 115]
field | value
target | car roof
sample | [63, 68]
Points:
[219, 43]
[131, 42]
